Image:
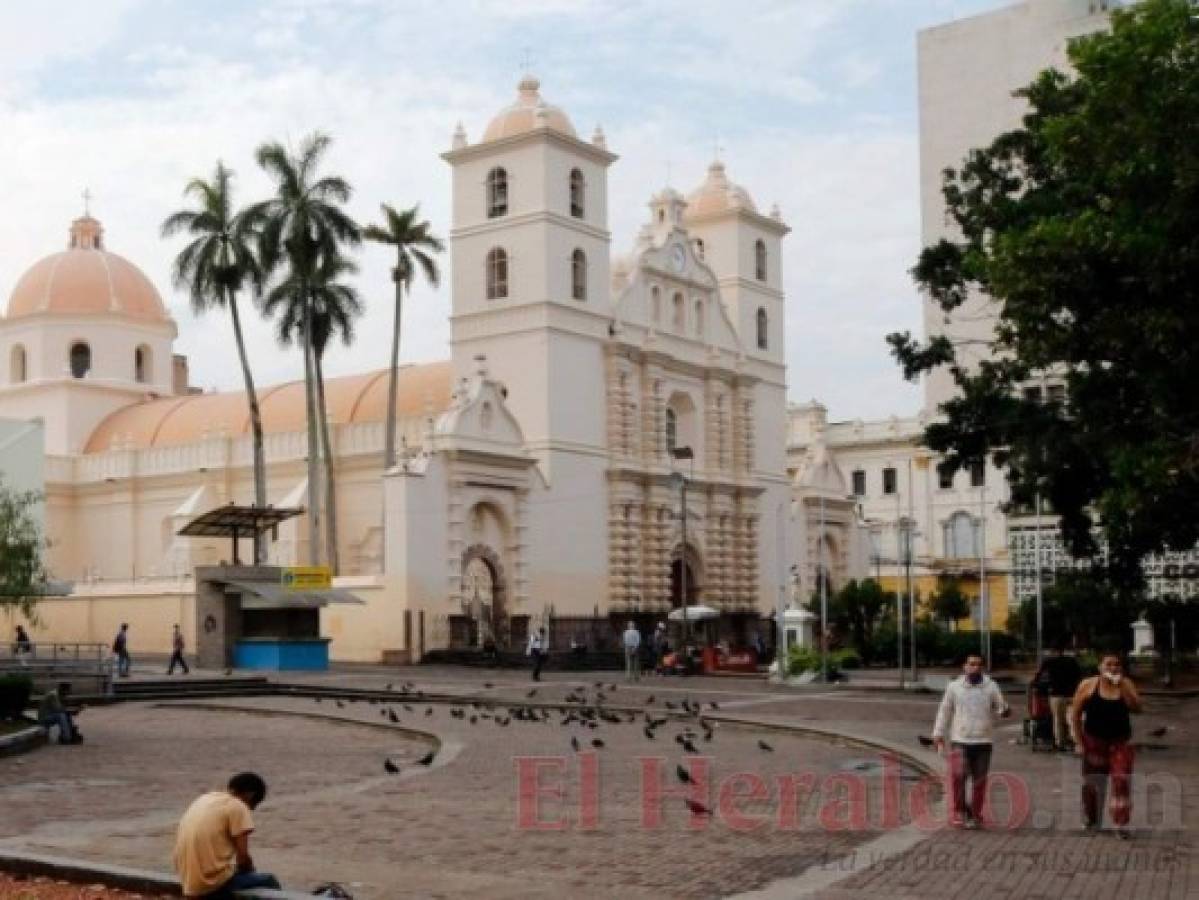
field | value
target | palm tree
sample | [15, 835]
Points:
[304, 222]
[215, 265]
[414, 246]
[334, 306]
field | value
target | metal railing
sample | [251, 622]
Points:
[88, 667]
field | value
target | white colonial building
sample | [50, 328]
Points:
[535, 485]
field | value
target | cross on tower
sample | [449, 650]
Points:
[717, 149]
[526, 61]
[87, 202]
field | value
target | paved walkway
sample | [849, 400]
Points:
[454, 828]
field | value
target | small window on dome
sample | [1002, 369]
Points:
[81, 359]
[17, 371]
[141, 365]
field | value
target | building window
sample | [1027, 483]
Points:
[497, 273]
[699, 247]
[17, 370]
[978, 473]
[699, 317]
[655, 303]
[890, 481]
[944, 479]
[1056, 393]
[672, 430]
[81, 359]
[141, 365]
[680, 313]
[497, 193]
[578, 275]
[1032, 394]
[763, 334]
[859, 483]
[961, 536]
[760, 259]
[576, 193]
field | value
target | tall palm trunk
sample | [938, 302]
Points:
[314, 497]
[255, 425]
[330, 480]
[389, 445]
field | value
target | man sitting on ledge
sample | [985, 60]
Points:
[53, 710]
[212, 846]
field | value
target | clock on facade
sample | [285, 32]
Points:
[678, 257]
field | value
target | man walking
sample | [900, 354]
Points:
[212, 845]
[120, 649]
[536, 651]
[177, 653]
[1063, 674]
[632, 653]
[971, 703]
[659, 645]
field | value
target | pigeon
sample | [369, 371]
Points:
[488, 685]
[669, 705]
[429, 711]
[1159, 732]
[714, 704]
[532, 693]
[762, 745]
[696, 807]
[684, 775]
[688, 746]
[649, 700]
[707, 735]
[390, 768]
[318, 699]
[407, 707]
[611, 687]
[387, 687]
[427, 759]
[340, 705]
[597, 743]
[925, 741]
[574, 743]
[474, 719]
[649, 732]
[391, 714]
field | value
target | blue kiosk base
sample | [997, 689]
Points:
[282, 654]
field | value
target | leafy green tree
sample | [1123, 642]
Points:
[215, 265]
[23, 575]
[855, 611]
[414, 245]
[1083, 227]
[948, 603]
[335, 306]
[1081, 609]
[303, 224]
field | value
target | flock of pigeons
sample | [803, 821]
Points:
[581, 707]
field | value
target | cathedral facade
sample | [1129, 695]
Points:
[545, 465]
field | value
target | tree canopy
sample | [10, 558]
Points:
[23, 576]
[1083, 227]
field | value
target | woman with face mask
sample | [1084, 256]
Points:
[1102, 733]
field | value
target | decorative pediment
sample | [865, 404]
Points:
[479, 418]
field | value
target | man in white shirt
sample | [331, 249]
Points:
[971, 703]
[536, 651]
[632, 653]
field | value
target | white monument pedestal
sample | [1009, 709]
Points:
[1142, 638]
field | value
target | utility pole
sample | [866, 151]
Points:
[824, 576]
[1036, 552]
[984, 607]
[899, 542]
[908, 560]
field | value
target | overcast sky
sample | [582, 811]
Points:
[813, 103]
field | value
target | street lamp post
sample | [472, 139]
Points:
[824, 576]
[681, 481]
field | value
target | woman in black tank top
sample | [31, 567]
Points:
[1099, 719]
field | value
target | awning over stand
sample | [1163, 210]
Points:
[233, 521]
[268, 595]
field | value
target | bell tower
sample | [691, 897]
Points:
[530, 269]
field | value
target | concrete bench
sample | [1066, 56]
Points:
[84, 871]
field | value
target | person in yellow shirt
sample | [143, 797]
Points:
[212, 845]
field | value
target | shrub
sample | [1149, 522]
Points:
[845, 659]
[15, 691]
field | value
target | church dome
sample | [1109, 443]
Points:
[718, 195]
[86, 279]
[528, 113]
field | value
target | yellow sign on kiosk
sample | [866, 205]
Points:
[306, 578]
